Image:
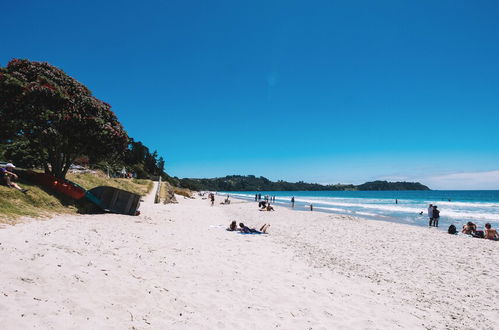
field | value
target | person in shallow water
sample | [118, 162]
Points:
[436, 216]
[430, 215]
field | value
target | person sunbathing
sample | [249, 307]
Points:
[469, 228]
[232, 226]
[491, 233]
[247, 230]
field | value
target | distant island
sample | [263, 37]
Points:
[253, 183]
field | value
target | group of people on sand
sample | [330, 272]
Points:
[468, 229]
[265, 206]
[246, 230]
[471, 229]
[7, 176]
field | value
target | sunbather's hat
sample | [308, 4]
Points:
[9, 165]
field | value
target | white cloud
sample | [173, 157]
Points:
[464, 180]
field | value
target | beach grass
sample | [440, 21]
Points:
[183, 192]
[92, 180]
[43, 202]
[165, 193]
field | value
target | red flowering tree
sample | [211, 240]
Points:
[57, 115]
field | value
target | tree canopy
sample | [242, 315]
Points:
[56, 117]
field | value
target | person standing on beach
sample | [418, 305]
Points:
[436, 216]
[256, 197]
[293, 201]
[212, 198]
[430, 215]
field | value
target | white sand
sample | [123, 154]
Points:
[175, 267]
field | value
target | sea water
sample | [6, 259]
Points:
[456, 207]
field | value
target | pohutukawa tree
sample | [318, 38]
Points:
[57, 115]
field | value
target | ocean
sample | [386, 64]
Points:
[456, 207]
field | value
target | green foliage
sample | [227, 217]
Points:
[137, 159]
[21, 153]
[385, 185]
[56, 116]
[252, 183]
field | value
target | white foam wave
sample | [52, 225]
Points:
[458, 210]
[331, 209]
[385, 207]
[466, 204]
[453, 213]
[369, 214]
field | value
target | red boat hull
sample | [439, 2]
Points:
[63, 186]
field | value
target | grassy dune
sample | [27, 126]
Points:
[165, 194]
[41, 202]
[89, 181]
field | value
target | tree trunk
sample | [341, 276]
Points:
[67, 164]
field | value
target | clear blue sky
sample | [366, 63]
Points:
[321, 91]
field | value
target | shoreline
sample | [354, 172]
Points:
[408, 211]
[175, 266]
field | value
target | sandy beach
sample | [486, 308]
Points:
[176, 267]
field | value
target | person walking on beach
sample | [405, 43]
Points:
[293, 201]
[256, 197]
[436, 216]
[430, 215]
[212, 199]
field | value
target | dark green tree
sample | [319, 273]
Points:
[57, 116]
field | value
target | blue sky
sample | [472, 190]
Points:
[320, 91]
